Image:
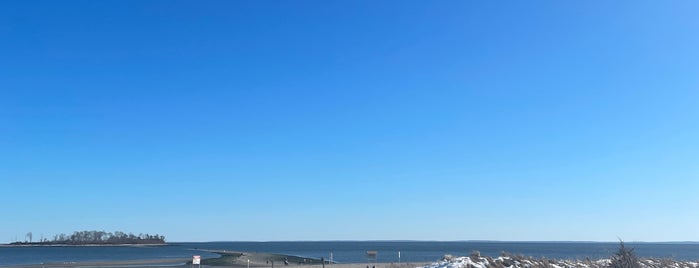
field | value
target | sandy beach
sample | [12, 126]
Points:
[227, 259]
[115, 264]
[259, 260]
[169, 263]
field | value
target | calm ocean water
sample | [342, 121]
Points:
[345, 252]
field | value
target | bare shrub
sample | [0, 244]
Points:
[624, 258]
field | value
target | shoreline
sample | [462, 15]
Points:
[186, 263]
[257, 260]
[87, 245]
[175, 262]
[227, 258]
[240, 259]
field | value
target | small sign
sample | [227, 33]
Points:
[196, 260]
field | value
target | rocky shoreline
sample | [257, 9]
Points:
[518, 261]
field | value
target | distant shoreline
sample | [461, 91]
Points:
[84, 245]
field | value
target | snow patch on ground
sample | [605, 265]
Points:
[511, 261]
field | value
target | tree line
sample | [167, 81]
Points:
[96, 237]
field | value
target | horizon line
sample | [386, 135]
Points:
[417, 240]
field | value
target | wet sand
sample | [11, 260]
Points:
[161, 264]
[260, 260]
[114, 264]
[227, 259]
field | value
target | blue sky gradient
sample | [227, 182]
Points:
[359, 120]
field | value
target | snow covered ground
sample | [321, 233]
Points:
[511, 261]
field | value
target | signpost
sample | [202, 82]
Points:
[371, 255]
[196, 260]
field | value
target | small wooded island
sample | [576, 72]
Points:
[95, 238]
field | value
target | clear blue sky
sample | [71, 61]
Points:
[319, 120]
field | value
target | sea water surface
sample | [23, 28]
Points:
[344, 251]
